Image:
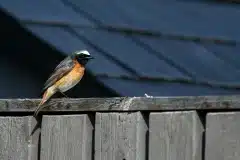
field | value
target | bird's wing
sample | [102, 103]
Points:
[62, 69]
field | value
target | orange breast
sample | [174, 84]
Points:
[72, 78]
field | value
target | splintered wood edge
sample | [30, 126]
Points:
[123, 104]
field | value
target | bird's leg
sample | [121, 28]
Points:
[63, 94]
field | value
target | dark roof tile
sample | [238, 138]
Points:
[118, 54]
[44, 10]
[229, 54]
[126, 50]
[199, 19]
[139, 88]
[196, 59]
[66, 42]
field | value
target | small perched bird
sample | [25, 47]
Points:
[65, 76]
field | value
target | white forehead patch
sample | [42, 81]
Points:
[83, 52]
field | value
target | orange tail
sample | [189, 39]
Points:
[47, 94]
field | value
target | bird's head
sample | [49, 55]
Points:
[82, 56]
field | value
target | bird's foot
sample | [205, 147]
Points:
[64, 94]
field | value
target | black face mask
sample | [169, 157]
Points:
[82, 61]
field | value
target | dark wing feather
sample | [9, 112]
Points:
[62, 69]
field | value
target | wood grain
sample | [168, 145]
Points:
[123, 104]
[222, 136]
[175, 136]
[120, 136]
[15, 140]
[66, 137]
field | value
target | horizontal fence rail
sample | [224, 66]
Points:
[137, 128]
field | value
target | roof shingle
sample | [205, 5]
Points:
[183, 45]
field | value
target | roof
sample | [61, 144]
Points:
[162, 48]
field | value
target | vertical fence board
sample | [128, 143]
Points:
[15, 140]
[175, 136]
[223, 136]
[66, 137]
[120, 136]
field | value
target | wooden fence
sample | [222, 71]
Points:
[179, 128]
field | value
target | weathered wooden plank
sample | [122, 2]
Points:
[120, 136]
[175, 136]
[124, 103]
[66, 137]
[15, 140]
[222, 136]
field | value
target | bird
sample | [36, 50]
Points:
[65, 76]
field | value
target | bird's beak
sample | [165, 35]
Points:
[90, 57]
